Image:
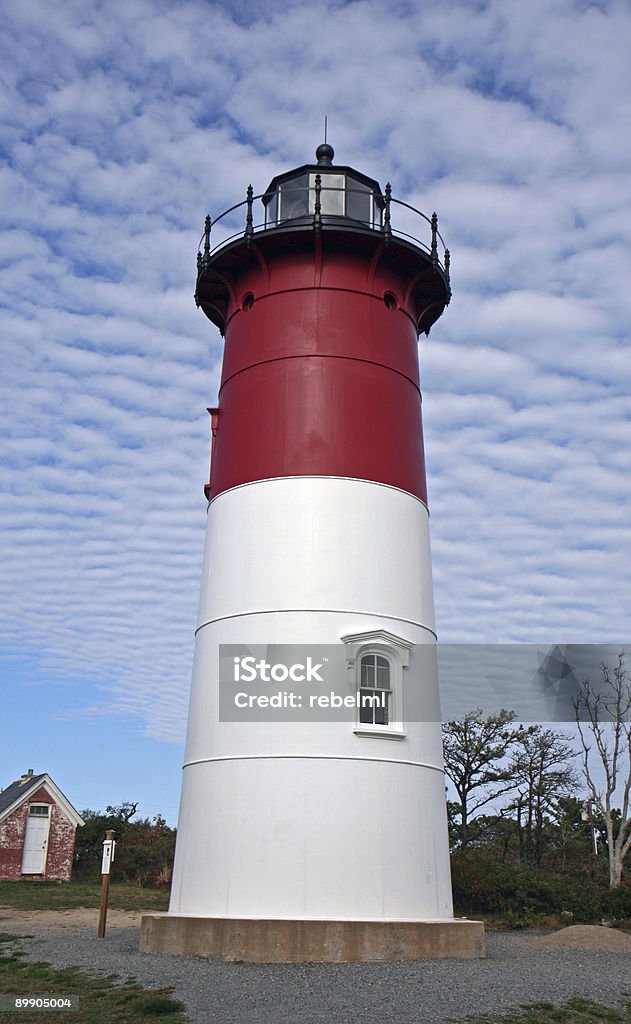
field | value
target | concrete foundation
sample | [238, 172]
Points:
[254, 940]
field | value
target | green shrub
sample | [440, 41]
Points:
[484, 885]
[144, 848]
[519, 892]
[617, 903]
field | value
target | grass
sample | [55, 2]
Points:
[101, 1000]
[574, 1011]
[28, 895]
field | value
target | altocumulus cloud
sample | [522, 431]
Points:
[124, 124]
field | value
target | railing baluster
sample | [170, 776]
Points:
[206, 256]
[387, 228]
[434, 250]
[199, 274]
[317, 216]
[249, 229]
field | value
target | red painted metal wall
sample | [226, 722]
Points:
[320, 374]
[61, 841]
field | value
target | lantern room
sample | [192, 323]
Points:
[331, 192]
[320, 209]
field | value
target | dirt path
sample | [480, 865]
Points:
[25, 921]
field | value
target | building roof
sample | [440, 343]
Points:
[16, 790]
[22, 789]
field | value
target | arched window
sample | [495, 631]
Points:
[375, 690]
[375, 663]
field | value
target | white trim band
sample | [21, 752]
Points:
[311, 757]
[335, 611]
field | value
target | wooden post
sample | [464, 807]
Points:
[109, 845]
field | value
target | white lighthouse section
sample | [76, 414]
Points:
[316, 820]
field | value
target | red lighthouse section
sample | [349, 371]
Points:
[321, 312]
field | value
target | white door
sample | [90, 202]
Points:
[36, 840]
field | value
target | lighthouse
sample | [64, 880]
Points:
[307, 834]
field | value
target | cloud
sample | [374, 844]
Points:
[122, 131]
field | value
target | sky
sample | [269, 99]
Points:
[123, 125]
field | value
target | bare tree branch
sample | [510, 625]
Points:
[604, 713]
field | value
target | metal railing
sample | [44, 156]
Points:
[315, 202]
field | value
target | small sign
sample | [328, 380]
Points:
[109, 847]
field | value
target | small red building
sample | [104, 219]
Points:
[37, 830]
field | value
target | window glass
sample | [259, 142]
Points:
[374, 690]
[358, 201]
[383, 673]
[294, 198]
[366, 712]
[381, 713]
[374, 706]
[368, 670]
[271, 210]
[331, 196]
[40, 810]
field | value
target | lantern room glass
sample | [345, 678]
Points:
[341, 195]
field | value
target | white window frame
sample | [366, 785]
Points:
[39, 810]
[371, 693]
[397, 652]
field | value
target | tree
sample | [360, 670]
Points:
[474, 750]
[89, 840]
[542, 772]
[602, 717]
[122, 812]
[573, 837]
[144, 848]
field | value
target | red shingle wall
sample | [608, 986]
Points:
[60, 845]
[12, 832]
[61, 840]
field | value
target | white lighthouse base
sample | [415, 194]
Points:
[286, 940]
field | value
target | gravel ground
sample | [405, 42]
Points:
[425, 992]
